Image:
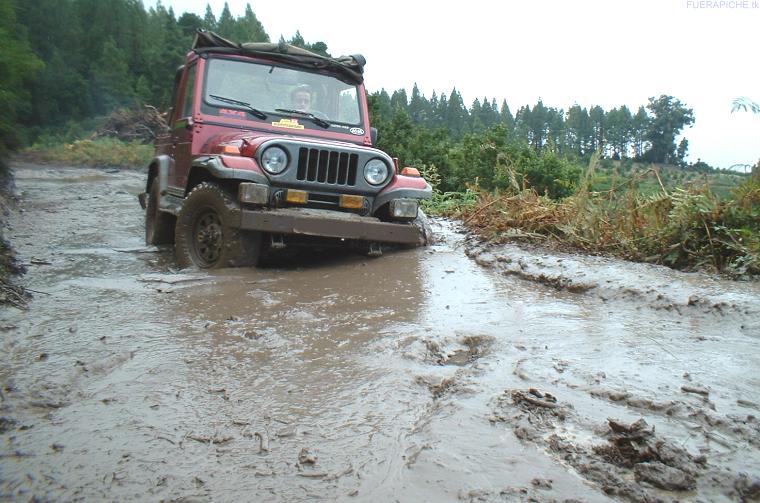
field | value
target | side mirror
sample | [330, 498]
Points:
[373, 136]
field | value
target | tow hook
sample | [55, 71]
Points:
[276, 242]
[375, 250]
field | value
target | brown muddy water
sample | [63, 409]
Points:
[457, 372]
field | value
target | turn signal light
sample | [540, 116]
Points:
[351, 202]
[230, 150]
[410, 172]
[297, 196]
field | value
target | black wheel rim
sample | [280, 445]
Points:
[208, 238]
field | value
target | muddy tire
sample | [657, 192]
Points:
[206, 233]
[159, 226]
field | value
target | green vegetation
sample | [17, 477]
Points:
[685, 228]
[610, 173]
[18, 68]
[67, 61]
[98, 152]
[525, 176]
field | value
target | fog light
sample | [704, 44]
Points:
[351, 202]
[254, 193]
[297, 196]
[404, 208]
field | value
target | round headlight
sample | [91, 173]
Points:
[375, 171]
[274, 160]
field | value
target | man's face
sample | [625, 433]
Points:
[302, 101]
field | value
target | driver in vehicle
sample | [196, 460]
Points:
[300, 98]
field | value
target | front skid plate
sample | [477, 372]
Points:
[326, 223]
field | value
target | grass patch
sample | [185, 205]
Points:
[609, 173]
[99, 152]
[685, 228]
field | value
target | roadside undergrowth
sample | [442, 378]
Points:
[451, 204]
[123, 138]
[101, 152]
[687, 228]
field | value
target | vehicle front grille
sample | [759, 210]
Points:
[327, 166]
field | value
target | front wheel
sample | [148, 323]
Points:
[206, 235]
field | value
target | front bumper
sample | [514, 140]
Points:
[326, 223]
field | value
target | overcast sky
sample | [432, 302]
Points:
[607, 53]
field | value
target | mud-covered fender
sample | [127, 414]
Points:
[226, 167]
[159, 168]
[403, 187]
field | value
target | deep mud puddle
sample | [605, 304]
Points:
[437, 374]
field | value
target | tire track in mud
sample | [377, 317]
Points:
[656, 287]
[625, 460]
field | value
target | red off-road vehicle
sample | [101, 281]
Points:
[269, 146]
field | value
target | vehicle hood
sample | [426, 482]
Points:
[249, 142]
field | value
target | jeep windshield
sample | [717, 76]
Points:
[245, 90]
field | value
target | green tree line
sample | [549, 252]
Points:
[547, 145]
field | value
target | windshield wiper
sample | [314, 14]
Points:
[255, 111]
[316, 120]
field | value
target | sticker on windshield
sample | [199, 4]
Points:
[234, 113]
[356, 130]
[288, 123]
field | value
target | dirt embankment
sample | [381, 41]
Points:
[10, 293]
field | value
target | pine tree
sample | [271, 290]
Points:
[639, 127]
[596, 116]
[250, 28]
[226, 25]
[417, 106]
[476, 117]
[619, 123]
[578, 130]
[399, 100]
[297, 40]
[456, 116]
[506, 119]
[209, 20]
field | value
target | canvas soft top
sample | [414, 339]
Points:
[350, 69]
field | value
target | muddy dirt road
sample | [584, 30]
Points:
[451, 373]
